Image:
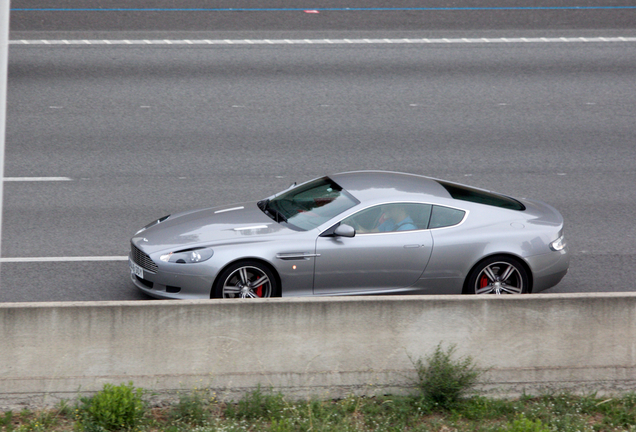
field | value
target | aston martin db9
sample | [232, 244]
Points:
[355, 233]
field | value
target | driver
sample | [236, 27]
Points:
[395, 218]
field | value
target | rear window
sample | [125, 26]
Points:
[466, 193]
[442, 217]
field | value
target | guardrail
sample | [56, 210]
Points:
[320, 347]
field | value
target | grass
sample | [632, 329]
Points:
[442, 403]
[270, 411]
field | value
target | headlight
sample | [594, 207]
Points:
[189, 256]
[558, 244]
[153, 223]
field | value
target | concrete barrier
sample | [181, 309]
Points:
[321, 347]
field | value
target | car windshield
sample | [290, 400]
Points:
[308, 206]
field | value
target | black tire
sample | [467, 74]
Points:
[246, 279]
[499, 274]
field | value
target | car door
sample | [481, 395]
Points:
[374, 260]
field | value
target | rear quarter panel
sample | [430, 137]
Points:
[487, 231]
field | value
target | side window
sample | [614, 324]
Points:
[391, 217]
[445, 217]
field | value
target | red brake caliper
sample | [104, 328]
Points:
[259, 291]
[483, 282]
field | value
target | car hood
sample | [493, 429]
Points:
[209, 227]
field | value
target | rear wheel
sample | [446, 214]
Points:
[498, 275]
[246, 279]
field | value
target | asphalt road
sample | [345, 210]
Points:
[248, 16]
[102, 139]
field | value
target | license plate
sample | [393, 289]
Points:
[135, 269]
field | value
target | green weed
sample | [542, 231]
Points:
[194, 408]
[443, 381]
[113, 408]
[258, 405]
[6, 421]
[28, 421]
[522, 424]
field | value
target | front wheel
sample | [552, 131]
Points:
[498, 275]
[246, 279]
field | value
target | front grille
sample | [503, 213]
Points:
[142, 259]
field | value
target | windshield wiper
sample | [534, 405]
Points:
[271, 211]
[262, 204]
[278, 215]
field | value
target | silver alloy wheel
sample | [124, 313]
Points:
[247, 282]
[499, 278]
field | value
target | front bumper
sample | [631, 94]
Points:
[170, 285]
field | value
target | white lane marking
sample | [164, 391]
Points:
[54, 42]
[63, 259]
[36, 179]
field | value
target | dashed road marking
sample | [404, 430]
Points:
[63, 259]
[36, 179]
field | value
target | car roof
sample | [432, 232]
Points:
[383, 185]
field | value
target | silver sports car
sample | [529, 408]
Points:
[367, 232]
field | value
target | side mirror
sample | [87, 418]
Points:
[345, 231]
